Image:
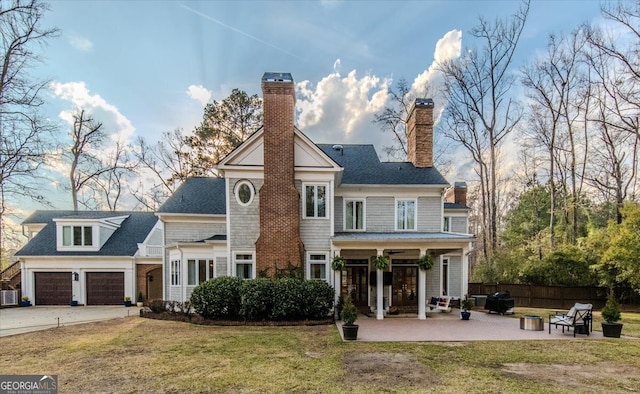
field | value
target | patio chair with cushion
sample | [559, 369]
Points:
[579, 318]
[439, 304]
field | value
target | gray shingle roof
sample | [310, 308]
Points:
[362, 167]
[453, 205]
[198, 195]
[123, 242]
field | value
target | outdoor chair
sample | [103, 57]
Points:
[579, 318]
[439, 304]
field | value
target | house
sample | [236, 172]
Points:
[94, 258]
[284, 201]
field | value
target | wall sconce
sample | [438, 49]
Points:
[150, 278]
[75, 277]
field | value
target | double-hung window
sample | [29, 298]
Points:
[405, 214]
[354, 215]
[446, 224]
[197, 271]
[315, 201]
[175, 272]
[77, 236]
[244, 265]
[317, 266]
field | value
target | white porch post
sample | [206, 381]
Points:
[379, 288]
[336, 281]
[422, 290]
[465, 270]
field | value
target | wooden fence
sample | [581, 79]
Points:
[552, 297]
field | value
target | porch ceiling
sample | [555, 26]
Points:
[407, 240]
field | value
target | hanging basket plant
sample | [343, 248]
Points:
[425, 262]
[381, 262]
[338, 263]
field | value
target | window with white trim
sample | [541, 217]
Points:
[198, 271]
[354, 215]
[77, 236]
[244, 265]
[446, 224]
[315, 201]
[317, 266]
[175, 272]
[405, 214]
[244, 192]
[445, 276]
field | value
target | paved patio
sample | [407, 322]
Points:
[448, 327]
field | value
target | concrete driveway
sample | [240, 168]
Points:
[19, 320]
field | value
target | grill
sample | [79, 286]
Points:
[500, 302]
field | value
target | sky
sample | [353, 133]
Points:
[148, 67]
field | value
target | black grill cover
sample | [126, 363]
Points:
[500, 302]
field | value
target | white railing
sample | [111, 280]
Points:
[150, 250]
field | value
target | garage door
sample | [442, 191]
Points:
[105, 288]
[53, 288]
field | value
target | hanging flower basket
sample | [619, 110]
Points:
[425, 262]
[338, 263]
[381, 262]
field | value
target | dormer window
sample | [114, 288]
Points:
[77, 236]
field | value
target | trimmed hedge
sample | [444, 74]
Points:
[263, 299]
[218, 298]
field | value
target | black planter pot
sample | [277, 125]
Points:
[73, 303]
[350, 332]
[127, 303]
[611, 330]
[465, 315]
[25, 303]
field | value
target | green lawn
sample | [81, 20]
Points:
[143, 355]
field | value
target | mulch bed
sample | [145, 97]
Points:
[197, 319]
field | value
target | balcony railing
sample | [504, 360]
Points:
[150, 250]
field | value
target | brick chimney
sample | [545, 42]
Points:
[420, 133]
[457, 194]
[279, 242]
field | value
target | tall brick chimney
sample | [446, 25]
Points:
[457, 194]
[279, 242]
[420, 133]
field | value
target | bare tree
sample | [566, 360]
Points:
[163, 167]
[556, 89]
[480, 114]
[111, 184]
[23, 130]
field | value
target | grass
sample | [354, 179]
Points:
[144, 355]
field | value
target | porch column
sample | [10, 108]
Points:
[379, 288]
[465, 270]
[422, 290]
[336, 282]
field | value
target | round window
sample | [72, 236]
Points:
[244, 192]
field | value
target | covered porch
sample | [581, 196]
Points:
[402, 286]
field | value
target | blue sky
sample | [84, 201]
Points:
[146, 67]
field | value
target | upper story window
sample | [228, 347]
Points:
[405, 214]
[354, 215]
[446, 224]
[244, 265]
[244, 192]
[317, 266]
[77, 236]
[315, 201]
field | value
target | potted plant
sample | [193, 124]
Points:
[25, 301]
[73, 302]
[140, 300]
[127, 301]
[381, 262]
[349, 316]
[611, 314]
[466, 304]
[425, 262]
[338, 263]
[339, 306]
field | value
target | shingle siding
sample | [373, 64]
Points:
[429, 214]
[191, 231]
[245, 223]
[221, 267]
[338, 224]
[433, 280]
[459, 225]
[380, 214]
[455, 276]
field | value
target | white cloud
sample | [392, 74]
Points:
[336, 66]
[81, 43]
[114, 123]
[199, 93]
[340, 109]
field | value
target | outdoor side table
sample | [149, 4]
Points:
[532, 323]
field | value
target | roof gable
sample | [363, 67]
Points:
[198, 195]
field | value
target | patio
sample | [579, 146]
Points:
[447, 327]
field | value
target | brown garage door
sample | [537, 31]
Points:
[105, 288]
[53, 288]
